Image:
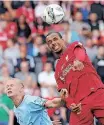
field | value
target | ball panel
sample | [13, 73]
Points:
[53, 13]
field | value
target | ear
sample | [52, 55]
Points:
[62, 39]
[21, 90]
[48, 47]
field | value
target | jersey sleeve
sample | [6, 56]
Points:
[36, 103]
[79, 52]
[39, 101]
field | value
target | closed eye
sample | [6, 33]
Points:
[49, 42]
[11, 85]
[54, 39]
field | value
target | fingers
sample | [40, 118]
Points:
[80, 108]
[79, 104]
[78, 65]
[76, 108]
[64, 93]
[56, 122]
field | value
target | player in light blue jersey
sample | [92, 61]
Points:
[29, 110]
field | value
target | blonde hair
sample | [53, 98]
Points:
[18, 81]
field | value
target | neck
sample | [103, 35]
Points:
[17, 100]
[64, 48]
[61, 51]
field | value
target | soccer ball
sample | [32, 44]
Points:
[53, 14]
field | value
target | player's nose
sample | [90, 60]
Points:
[53, 43]
[8, 88]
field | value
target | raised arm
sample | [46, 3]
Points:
[79, 53]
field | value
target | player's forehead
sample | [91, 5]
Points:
[9, 82]
[52, 35]
[14, 82]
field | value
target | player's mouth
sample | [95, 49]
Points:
[9, 92]
[55, 48]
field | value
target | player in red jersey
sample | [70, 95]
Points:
[75, 75]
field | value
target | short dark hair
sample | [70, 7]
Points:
[48, 62]
[59, 34]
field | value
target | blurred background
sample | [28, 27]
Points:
[25, 55]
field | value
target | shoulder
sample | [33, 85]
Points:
[35, 99]
[28, 99]
[76, 43]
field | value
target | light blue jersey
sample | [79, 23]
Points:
[32, 112]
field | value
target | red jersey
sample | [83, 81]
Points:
[27, 12]
[11, 29]
[3, 39]
[78, 83]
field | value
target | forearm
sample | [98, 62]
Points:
[54, 103]
[11, 11]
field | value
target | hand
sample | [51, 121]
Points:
[78, 65]
[7, 4]
[76, 108]
[64, 93]
[56, 122]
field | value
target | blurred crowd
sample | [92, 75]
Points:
[25, 55]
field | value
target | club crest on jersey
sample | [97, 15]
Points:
[67, 58]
